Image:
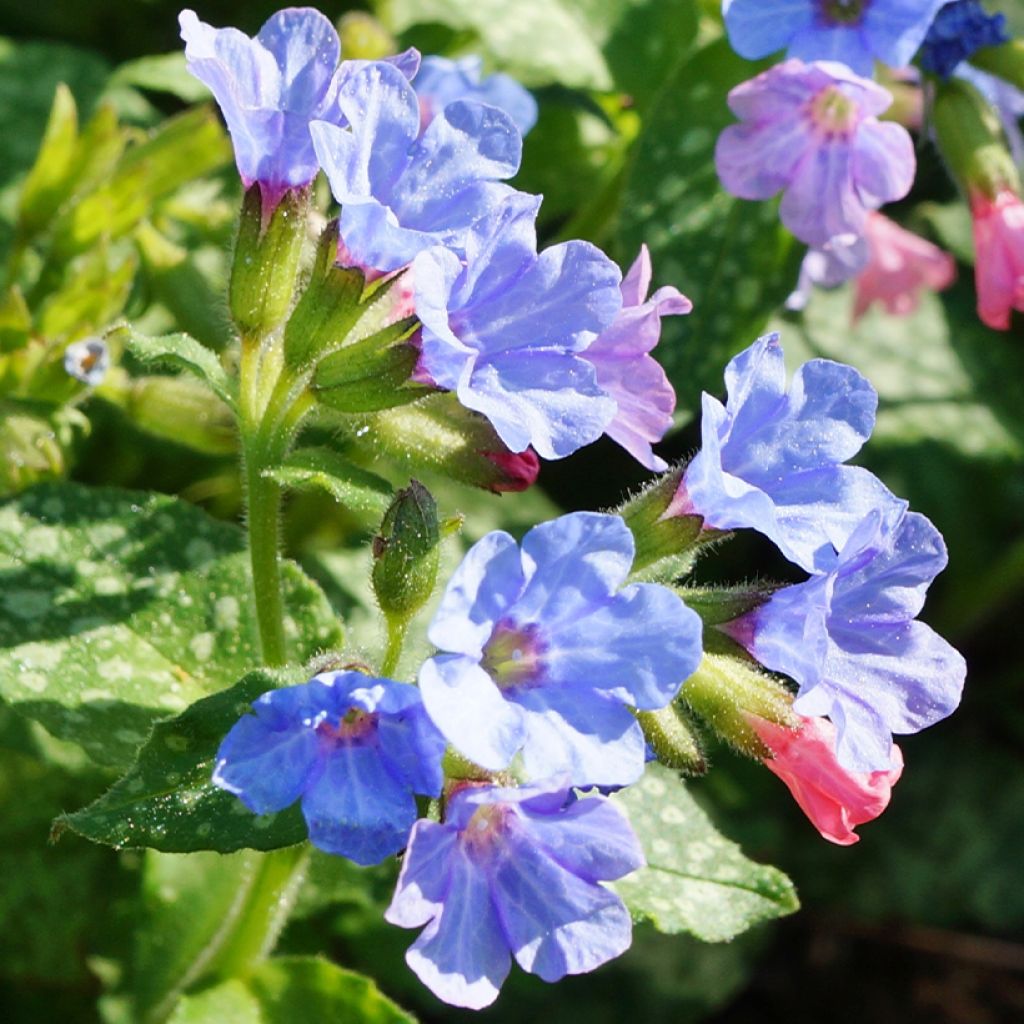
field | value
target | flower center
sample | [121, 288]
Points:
[843, 12]
[356, 725]
[485, 826]
[833, 112]
[512, 655]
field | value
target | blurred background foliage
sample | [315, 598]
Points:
[924, 919]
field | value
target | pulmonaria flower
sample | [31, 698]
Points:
[854, 32]
[354, 749]
[901, 265]
[87, 361]
[269, 88]
[519, 469]
[440, 81]
[812, 132]
[772, 459]
[543, 654]
[850, 639]
[834, 798]
[402, 190]
[514, 872]
[959, 30]
[625, 371]
[999, 256]
[506, 329]
[828, 267]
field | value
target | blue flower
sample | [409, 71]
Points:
[514, 872]
[854, 32]
[543, 652]
[441, 81]
[401, 190]
[772, 459]
[87, 361]
[353, 748]
[850, 639]
[960, 29]
[270, 88]
[504, 329]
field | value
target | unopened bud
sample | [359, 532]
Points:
[674, 739]
[406, 553]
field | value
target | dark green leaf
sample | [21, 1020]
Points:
[696, 880]
[123, 607]
[184, 352]
[322, 469]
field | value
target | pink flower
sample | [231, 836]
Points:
[627, 373]
[811, 131]
[834, 798]
[519, 470]
[899, 266]
[999, 256]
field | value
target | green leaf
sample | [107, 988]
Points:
[321, 469]
[183, 410]
[15, 320]
[166, 800]
[36, 440]
[285, 990]
[731, 257]
[696, 880]
[164, 72]
[122, 607]
[184, 352]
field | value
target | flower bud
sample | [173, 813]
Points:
[406, 553]
[726, 689]
[674, 739]
[266, 260]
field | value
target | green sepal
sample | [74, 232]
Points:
[716, 605]
[322, 469]
[674, 739]
[183, 352]
[695, 880]
[970, 137]
[167, 801]
[726, 688]
[406, 553]
[266, 261]
[328, 308]
[371, 374]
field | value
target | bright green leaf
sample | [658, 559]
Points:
[322, 469]
[183, 410]
[36, 440]
[696, 880]
[122, 607]
[15, 320]
[286, 990]
[167, 802]
[164, 72]
[731, 257]
[184, 352]
[49, 181]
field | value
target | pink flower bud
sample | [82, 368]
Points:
[519, 469]
[999, 256]
[834, 798]
[900, 265]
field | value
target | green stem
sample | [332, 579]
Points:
[396, 638]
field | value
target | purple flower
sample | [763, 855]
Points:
[626, 372]
[514, 872]
[543, 652]
[960, 29]
[771, 459]
[441, 81]
[828, 267]
[812, 132]
[850, 639]
[403, 191]
[854, 32]
[506, 328]
[353, 748]
[270, 88]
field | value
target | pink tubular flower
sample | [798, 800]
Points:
[812, 132]
[999, 256]
[900, 266]
[628, 373]
[834, 798]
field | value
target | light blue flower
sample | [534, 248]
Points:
[441, 81]
[269, 88]
[505, 329]
[854, 32]
[850, 638]
[544, 654]
[403, 191]
[514, 872]
[772, 459]
[353, 748]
